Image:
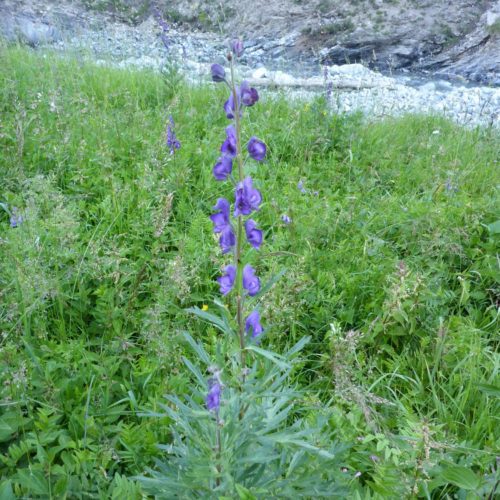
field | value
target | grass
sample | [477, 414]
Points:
[391, 266]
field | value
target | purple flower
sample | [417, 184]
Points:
[252, 324]
[213, 396]
[223, 168]
[286, 219]
[247, 198]
[16, 219]
[251, 283]
[249, 95]
[300, 187]
[254, 235]
[221, 218]
[172, 141]
[226, 281]
[256, 149]
[227, 239]
[229, 106]
[229, 147]
[218, 73]
[237, 47]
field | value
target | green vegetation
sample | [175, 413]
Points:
[391, 267]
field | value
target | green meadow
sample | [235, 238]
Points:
[390, 264]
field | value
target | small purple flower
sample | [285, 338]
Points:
[213, 395]
[237, 47]
[164, 27]
[251, 283]
[229, 147]
[247, 198]
[286, 219]
[172, 141]
[223, 168]
[252, 324]
[227, 239]
[229, 106]
[249, 95]
[301, 188]
[254, 235]
[218, 73]
[226, 281]
[16, 219]
[256, 149]
[221, 218]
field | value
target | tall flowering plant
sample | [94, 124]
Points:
[240, 436]
[237, 227]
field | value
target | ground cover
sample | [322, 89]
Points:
[387, 233]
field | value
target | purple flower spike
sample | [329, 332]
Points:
[172, 141]
[256, 149]
[213, 396]
[252, 324]
[221, 218]
[247, 198]
[218, 73]
[254, 235]
[251, 283]
[227, 239]
[229, 147]
[223, 168]
[237, 47]
[226, 281]
[249, 95]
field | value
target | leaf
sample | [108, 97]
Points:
[202, 354]
[244, 493]
[489, 389]
[6, 492]
[494, 227]
[35, 481]
[271, 356]
[462, 477]
[6, 431]
[211, 318]
[298, 346]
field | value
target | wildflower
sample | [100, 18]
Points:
[256, 149]
[249, 95]
[213, 395]
[218, 73]
[286, 219]
[221, 218]
[252, 324]
[204, 307]
[254, 235]
[227, 239]
[172, 141]
[223, 168]
[247, 198]
[229, 147]
[301, 188]
[229, 106]
[251, 283]
[237, 47]
[164, 27]
[16, 218]
[226, 281]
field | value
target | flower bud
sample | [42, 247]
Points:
[218, 73]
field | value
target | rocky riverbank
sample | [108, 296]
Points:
[106, 39]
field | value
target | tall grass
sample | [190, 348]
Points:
[391, 265]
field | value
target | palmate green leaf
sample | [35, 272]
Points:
[462, 477]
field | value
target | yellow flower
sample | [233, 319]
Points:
[204, 307]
